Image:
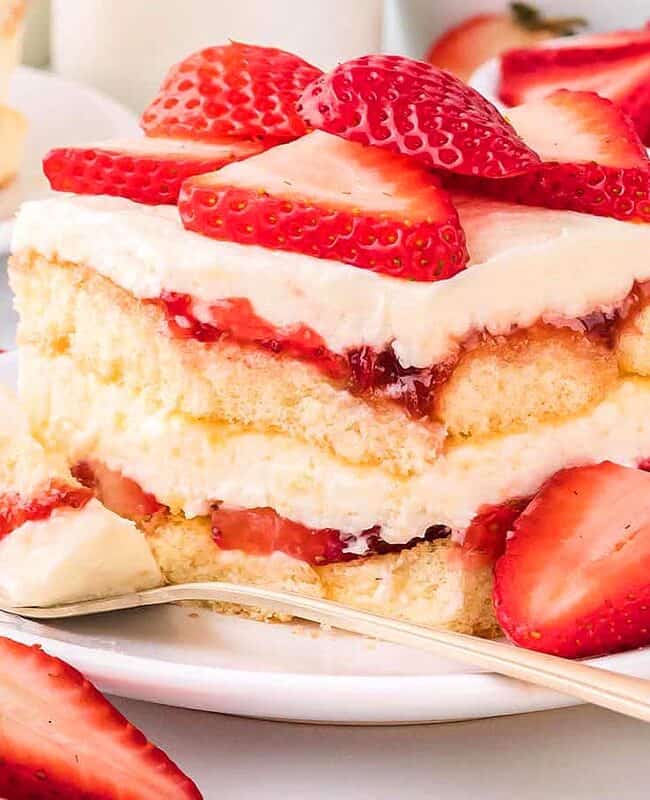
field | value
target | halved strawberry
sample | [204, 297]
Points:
[616, 65]
[237, 90]
[418, 110]
[594, 162]
[117, 492]
[60, 738]
[329, 198]
[463, 48]
[575, 577]
[144, 170]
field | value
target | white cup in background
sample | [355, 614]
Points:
[125, 47]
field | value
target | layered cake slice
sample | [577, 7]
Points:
[324, 372]
[57, 542]
[12, 123]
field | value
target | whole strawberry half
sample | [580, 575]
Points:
[146, 170]
[593, 159]
[60, 738]
[238, 90]
[575, 576]
[615, 65]
[418, 110]
[325, 197]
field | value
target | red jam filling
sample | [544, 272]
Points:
[16, 510]
[362, 370]
[261, 532]
[118, 493]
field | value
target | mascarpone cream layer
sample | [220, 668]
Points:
[73, 555]
[187, 463]
[526, 264]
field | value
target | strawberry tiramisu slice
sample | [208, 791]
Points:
[12, 123]
[57, 542]
[327, 372]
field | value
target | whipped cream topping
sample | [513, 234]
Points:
[72, 555]
[526, 264]
[187, 463]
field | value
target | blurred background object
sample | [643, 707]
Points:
[36, 43]
[412, 25]
[125, 47]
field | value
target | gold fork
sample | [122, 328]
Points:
[622, 693]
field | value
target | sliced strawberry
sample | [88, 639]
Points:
[237, 90]
[616, 66]
[418, 110]
[15, 509]
[117, 492]
[575, 577]
[463, 48]
[595, 162]
[261, 532]
[325, 197]
[144, 170]
[62, 739]
[486, 534]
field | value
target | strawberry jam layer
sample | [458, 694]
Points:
[118, 493]
[15, 510]
[262, 532]
[362, 370]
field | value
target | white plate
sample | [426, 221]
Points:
[59, 112]
[198, 659]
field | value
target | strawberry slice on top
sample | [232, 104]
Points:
[329, 198]
[146, 170]
[62, 739]
[616, 65]
[237, 89]
[594, 161]
[418, 110]
[575, 576]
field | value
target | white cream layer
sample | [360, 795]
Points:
[527, 264]
[186, 463]
[73, 555]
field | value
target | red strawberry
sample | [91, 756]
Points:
[594, 161]
[329, 198]
[15, 510]
[575, 577]
[616, 65]
[261, 532]
[144, 170]
[418, 110]
[60, 738]
[233, 90]
[117, 492]
[463, 48]
[486, 534]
